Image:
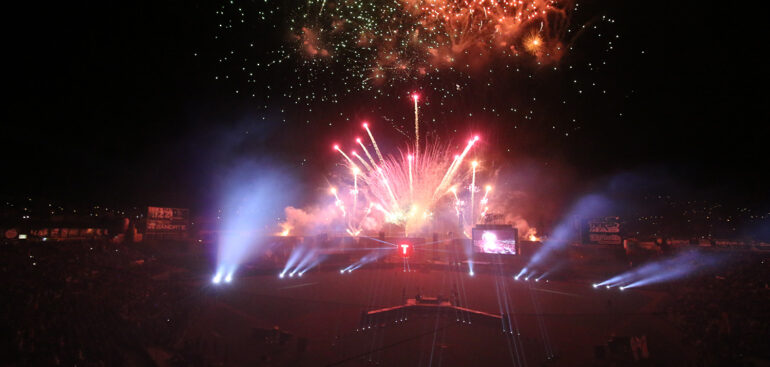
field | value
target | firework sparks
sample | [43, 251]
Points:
[452, 170]
[356, 171]
[406, 193]
[368, 155]
[411, 180]
[337, 148]
[374, 143]
[363, 162]
[458, 203]
[394, 42]
[415, 97]
[403, 189]
[339, 203]
[474, 164]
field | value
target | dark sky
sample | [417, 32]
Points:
[117, 103]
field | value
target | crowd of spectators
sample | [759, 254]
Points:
[724, 315]
[89, 303]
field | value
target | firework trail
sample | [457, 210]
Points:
[484, 201]
[337, 148]
[411, 179]
[356, 171]
[474, 164]
[416, 128]
[368, 155]
[452, 170]
[361, 159]
[387, 186]
[374, 143]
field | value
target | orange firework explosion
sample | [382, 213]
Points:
[488, 23]
[382, 40]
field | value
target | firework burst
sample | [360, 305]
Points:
[408, 189]
[334, 48]
[404, 190]
[391, 40]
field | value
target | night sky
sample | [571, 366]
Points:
[133, 104]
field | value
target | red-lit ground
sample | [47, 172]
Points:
[324, 308]
[100, 303]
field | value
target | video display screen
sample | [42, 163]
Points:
[495, 241]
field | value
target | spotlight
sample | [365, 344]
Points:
[537, 279]
[281, 275]
[229, 278]
[291, 275]
[218, 276]
[342, 271]
[516, 278]
[472, 273]
[622, 287]
[608, 287]
[350, 271]
[595, 285]
[527, 278]
[299, 275]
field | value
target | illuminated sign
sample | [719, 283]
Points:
[405, 250]
[603, 231]
[167, 223]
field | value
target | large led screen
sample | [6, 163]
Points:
[496, 241]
